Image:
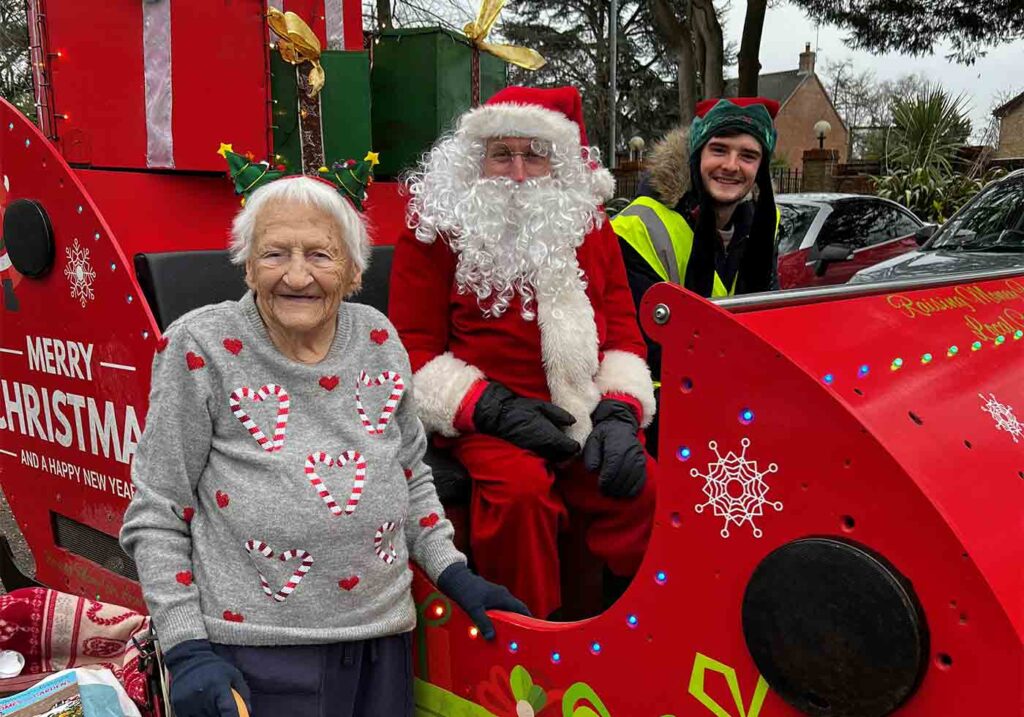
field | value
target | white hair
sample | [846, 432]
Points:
[511, 238]
[355, 236]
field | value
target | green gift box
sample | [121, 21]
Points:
[420, 82]
[344, 107]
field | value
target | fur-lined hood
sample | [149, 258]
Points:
[668, 166]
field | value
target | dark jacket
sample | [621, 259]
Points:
[669, 180]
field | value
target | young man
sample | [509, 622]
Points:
[706, 216]
[511, 298]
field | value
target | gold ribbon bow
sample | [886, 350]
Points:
[298, 44]
[478, 30]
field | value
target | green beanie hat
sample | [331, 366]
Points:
[751, 115]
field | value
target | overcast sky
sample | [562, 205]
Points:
[786, 29]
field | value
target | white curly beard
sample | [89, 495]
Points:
[511, 238]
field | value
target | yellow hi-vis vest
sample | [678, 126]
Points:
[664, 239]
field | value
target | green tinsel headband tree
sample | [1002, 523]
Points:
[350, 178]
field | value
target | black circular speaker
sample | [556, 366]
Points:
[28, 236]
[835, 629]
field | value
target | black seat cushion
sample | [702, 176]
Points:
[177, 282]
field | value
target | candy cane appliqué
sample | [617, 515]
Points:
[397, 389]
[342, 460]
[387, 553]
[258, 546]
[265, 392]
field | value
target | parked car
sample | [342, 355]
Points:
[987, 233]
[827, 238]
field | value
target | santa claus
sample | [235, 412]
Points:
[510, 295]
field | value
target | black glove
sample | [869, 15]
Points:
[476, 595]
[529, 423]
[614, 448]
[201, 682]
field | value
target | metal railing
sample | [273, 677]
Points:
[812, 295]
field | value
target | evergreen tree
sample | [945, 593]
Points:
[15, 78]
[573, 37]
[915, 28]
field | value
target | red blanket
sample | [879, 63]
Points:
[57, 631]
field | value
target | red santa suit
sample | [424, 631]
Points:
[582, 347]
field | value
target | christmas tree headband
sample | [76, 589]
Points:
[350, 178]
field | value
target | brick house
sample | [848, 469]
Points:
[803, 102]
[1011, 129]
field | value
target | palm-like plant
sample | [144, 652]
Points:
[928, 129]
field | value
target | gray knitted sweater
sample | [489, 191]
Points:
[279, 503]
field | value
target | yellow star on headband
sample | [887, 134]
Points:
[224, 149]
[371, 157]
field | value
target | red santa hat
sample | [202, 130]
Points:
[551, 114]
[554, 114]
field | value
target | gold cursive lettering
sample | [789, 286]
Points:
[1009, 321]
[928, 305]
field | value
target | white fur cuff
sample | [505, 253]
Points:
[625, 372]
[440, 386]
[517, 120]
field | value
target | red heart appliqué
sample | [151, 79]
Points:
[188, 513]
[222, 499]
[379, 336]
[194, 361]
[233, 345]
[329, 382]
[429, 521]
[408, 473]
[233, 616]
[348, 583]
[161, 344]
[184, 577]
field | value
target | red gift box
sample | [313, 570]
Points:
[159, 84]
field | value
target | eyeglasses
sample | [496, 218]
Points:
[537, 156]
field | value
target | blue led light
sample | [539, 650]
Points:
[828, 378]
[660, 577]
[863, 370]
[595, 648]
[513, 646]
[683, 453]
[632, 620]
[746, 416]
[556, 657]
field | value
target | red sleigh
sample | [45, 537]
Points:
[838, 526]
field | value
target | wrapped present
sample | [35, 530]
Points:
[431, 70]
[171, 78]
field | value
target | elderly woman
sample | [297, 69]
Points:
[280, 483]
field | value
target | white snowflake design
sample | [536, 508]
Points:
[1003, 416]
[735, 488]
[79, 273]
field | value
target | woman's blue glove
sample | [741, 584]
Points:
[201, 682]
[476, 595]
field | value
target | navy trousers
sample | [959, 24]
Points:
[365, 678]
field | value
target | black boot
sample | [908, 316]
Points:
[613, 586]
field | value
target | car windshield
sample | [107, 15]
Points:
[794, 221]
[994, 222]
